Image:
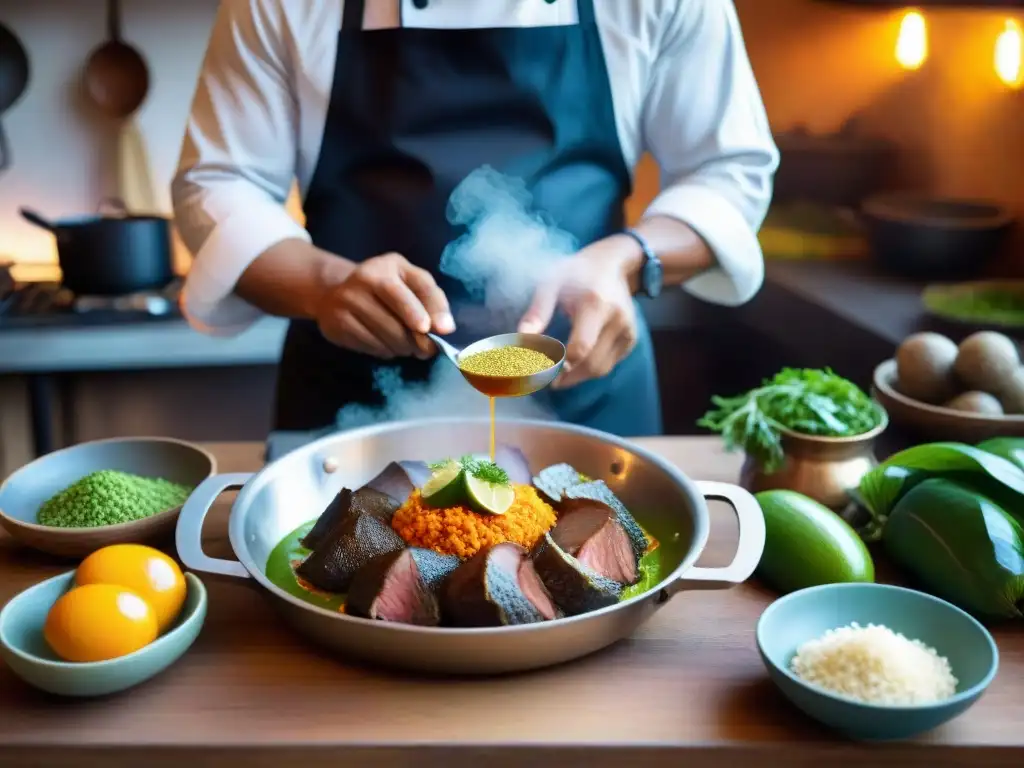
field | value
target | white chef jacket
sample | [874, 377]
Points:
[681, 85]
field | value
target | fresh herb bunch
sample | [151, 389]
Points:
[810, 401]
[481, 469]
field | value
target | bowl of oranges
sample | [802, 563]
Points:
[124, 615]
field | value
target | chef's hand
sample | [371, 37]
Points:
[594, 289]
[383, 307]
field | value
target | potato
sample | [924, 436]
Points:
[1012, 396]
[976, 402]
[924, 368]
[986, 361]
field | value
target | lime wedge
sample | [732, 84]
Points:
[446, 487]
[492, 498]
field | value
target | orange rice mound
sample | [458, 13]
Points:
[463, 532]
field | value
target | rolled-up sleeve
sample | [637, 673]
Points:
[705, 124]
[237, 163]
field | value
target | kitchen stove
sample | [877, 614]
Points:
[47, 304]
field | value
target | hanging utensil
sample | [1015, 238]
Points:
[116, 75]
[14, 74]
[117, 82]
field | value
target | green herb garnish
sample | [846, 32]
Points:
[805, 400]
[489, 472]
[481, 469]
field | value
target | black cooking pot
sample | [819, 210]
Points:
[111, 255]
[921, 237]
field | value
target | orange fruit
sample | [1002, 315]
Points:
[146, 571]
[99, 622]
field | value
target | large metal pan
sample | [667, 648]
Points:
[297, 486]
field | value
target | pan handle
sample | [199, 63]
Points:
[748, 551]
[188, 535]
[34, 218]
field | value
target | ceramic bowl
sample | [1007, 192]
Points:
[991, 305]
[922, 237]
[27, 654]
[808, 613]
[24, 492]
[933, 422]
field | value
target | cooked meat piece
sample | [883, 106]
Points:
[590, 532]
[514, 462]
[392, 587]
[553, 481]
[330, 517]
[596, 490]
[345, 549]
[496, 587]
[399, 478]
[573, 586]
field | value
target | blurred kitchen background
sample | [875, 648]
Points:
[864, 97]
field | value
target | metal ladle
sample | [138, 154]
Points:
[116, 75]
[507, 386]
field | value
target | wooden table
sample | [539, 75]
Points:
[688, 690]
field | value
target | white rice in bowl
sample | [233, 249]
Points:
[875, 665]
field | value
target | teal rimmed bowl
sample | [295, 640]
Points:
[26, 652]
[808, 613]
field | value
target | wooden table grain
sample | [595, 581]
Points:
[688, 689]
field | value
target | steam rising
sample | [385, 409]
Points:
[505, 250]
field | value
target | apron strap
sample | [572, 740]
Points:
[584, 12]
[352, 17]
[355, 10]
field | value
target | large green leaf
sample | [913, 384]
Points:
[1010, 448]
[986, 473]
[960, 546]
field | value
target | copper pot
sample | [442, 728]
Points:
[823, 468]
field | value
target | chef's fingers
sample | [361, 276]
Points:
[625, 343]
[432, 299]
[378, 319]
[615, 340]
[400, 299]
[349, 331]
[538, 316]
[425, 348]
[596, 364]
[587, 324]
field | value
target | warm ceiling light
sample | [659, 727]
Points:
[1008, 55]
[912, 43]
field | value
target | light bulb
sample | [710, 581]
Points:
[912, 43]
[1008, 55]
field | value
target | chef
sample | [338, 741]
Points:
[380, 108]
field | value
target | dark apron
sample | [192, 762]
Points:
[412, 113]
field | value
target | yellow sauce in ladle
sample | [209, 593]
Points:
[509, 365]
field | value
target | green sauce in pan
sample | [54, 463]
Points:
[654, 565]
[281, 570]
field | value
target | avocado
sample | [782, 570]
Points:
[986, 361]
[924, 367]
[1012, 394]
[807, 544]
[976, 402]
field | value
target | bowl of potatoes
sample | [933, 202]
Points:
[964, 392]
